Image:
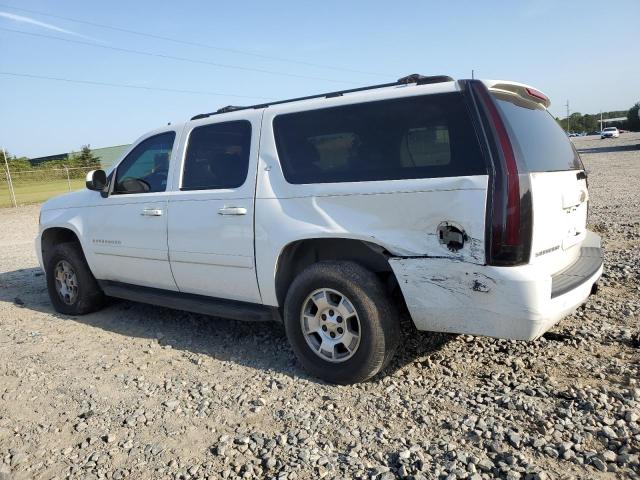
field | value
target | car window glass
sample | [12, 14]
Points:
[537, 137]
[415, 137]
[145, 169]
[426, 146]
[217, 156]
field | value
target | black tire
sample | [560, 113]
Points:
[88, 296]
[379, 321]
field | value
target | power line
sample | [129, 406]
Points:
[126, 85]
[171, 57]
[195, 44]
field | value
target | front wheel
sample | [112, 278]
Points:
[73, 290]
[341, 322]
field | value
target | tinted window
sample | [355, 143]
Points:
[537, 137]
[417, 137]
[145, 169]
[217, 156]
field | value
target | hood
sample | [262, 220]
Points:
[69, 200]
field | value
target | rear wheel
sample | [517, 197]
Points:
[72, 288]
[341, 322]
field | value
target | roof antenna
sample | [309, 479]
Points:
[472, 76]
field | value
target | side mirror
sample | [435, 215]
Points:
[96, 180]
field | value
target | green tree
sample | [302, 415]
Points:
[21, 163]
[589, 123]
[575, 123]
[633, 120]
[8, 155]
[15, 163]
[84, 159]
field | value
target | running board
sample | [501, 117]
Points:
[189, 302]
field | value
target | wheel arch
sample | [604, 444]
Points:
[53, 236]
[297, 255]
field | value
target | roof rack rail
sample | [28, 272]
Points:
[413, 78]
[228, 108]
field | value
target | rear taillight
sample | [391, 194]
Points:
[509, 216]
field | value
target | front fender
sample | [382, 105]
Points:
[68, 219]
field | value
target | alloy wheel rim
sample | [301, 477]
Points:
[330, 325]
[66, 282]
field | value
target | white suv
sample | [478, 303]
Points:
[462, 203]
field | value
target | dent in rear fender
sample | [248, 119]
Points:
[445, 295]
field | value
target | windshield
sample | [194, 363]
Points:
[537, 137]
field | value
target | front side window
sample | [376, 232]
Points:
[145, 169]
[217, 156]
[414, 137]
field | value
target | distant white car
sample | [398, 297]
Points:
[610, 132]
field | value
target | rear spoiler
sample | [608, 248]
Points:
[523, 91]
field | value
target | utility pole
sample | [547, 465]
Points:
[600, 120]
[568, 129]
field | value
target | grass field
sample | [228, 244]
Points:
[37, 191]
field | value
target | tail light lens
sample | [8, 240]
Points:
[509, 216]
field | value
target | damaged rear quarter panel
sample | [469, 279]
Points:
[447, 295]
[402, 216]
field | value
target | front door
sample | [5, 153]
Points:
[128, 229]
[211, 216]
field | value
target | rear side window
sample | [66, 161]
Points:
[416, 137]
[537, 137]
[217, 156]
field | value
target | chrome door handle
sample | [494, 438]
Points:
[152, 212]
[232, 211]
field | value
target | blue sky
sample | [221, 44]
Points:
[584, 51]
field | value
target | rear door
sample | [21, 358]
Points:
[558, 181]
[211, 215]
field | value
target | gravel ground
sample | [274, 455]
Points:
[137, 391]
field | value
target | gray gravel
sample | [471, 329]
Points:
[137, 391]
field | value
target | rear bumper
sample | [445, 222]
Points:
[504, 302]
[588, 263]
